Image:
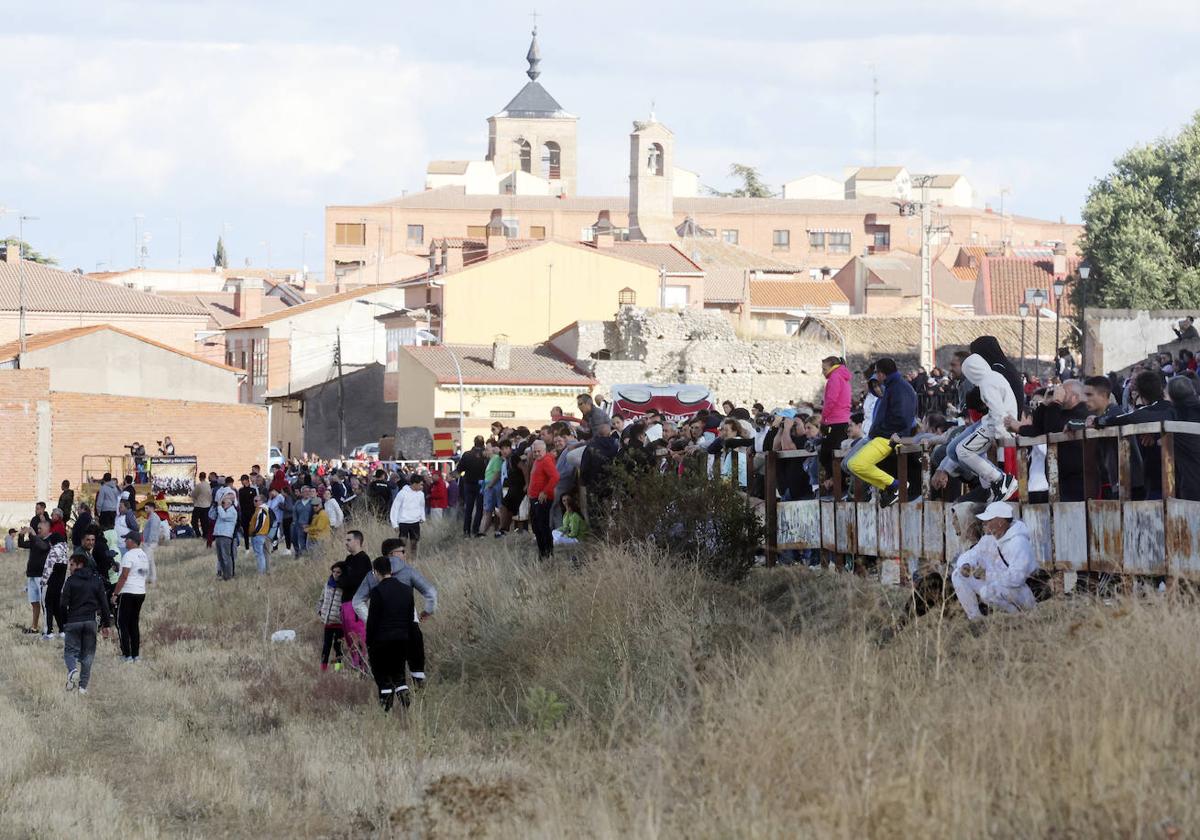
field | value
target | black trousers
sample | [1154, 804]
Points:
[387, 665]
[472, 507]
[332, 641]
[108, 520]
[832, 437]
[245, 522]
[416, 651]
[54, 585]
[539, 517]
[129, 613]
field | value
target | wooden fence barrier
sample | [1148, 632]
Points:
[1121, 535]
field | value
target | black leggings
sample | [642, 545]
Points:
[129, 612]
[387, 663]
[332, 641]
[54, 587]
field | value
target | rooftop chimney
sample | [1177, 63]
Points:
[1060, 260]
[501, 352]
[602, 231]
[453, 258]
[496, 240]
[12, 253]
[248, 298]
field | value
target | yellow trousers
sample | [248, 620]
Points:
[863, 464]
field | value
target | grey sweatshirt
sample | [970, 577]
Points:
[404, 573]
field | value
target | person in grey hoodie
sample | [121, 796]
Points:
[393, 549]
[151, 534]
[108, 497]
[83, 597]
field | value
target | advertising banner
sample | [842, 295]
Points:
[172, 478]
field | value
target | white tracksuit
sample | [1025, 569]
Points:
[1007, 564]
[998, 396]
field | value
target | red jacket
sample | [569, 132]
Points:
[439, 495]
[279, 480]
[835, 408]
[544, 477]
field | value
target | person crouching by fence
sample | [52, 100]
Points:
[995, 570]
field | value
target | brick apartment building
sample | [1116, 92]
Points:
[54, 411]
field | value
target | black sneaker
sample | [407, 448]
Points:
[403, 696]
[888, 496]
[1004, 489]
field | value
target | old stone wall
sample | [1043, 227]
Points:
[694, 346]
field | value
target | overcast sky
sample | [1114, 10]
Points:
[255, 115]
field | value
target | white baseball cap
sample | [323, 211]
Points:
[996, 510]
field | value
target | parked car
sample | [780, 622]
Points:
[366, 451]
[275, 458]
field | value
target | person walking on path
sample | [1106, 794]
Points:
[408, 512]
[130, 594]
[329, 610]
[83, 598]
[224, 529]
[391, 618]
[54, 575]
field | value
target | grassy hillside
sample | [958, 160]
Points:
[609, 699]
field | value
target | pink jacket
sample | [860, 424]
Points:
[836, 407]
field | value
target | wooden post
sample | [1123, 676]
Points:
[1022, 475]
[902, 472]
[1091, 465]
[772, 508]
[1168, 490]
[1052, 469]
[1124, 473]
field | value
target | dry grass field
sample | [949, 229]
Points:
[612, 698]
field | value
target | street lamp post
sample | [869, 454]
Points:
[1039, 297]
[1023, 311]
[426, 335]
[1085, 270]
[1060, 286]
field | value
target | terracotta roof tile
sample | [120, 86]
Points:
[655, 254]
[538, 365]
[51, 290]
[1006, 280]
[794, 294]
[965, 272]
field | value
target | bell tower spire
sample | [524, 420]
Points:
[534, 56]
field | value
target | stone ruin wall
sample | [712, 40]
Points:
[691, 346]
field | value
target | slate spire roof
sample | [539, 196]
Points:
[533, 101]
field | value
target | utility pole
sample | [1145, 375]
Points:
[928, 229]
[662, 287]
[874, 117]
[337, 358]
[21, 220]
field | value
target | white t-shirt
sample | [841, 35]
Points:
[138, 564]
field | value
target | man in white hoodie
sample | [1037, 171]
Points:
[971, 451]
[995, 570]
[408, 512]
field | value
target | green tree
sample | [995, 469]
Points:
[27, 252]
[1142, 227]
[220, 260]
[752, 184]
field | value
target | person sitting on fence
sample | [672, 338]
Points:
[994, 572]
[970, 452]
[895, 414]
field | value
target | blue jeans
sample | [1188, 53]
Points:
[80, 648]
[299, 538]
[259, 544]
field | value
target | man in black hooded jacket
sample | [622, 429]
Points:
[1187, 447]
[83, 597]
[988, 347]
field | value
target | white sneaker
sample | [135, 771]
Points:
[47, 637]
[73, 680]
[62, 635]
[83, 691]
[1004, 489]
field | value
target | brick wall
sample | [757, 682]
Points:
[20, 392]
[226, 438]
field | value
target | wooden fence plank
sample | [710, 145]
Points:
[1106, 548]
[868, 529]
[799, 524]
[889, 531]
[1183, 538]
[1070, 536]
[933, 541]
[828, 526]
[847, 527]
[1144, 543]
[912, 533]
[1041, 535]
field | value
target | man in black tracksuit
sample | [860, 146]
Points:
[389, 631]
[83, 597]
[246, 495]
[471, 467]
[379, 494]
